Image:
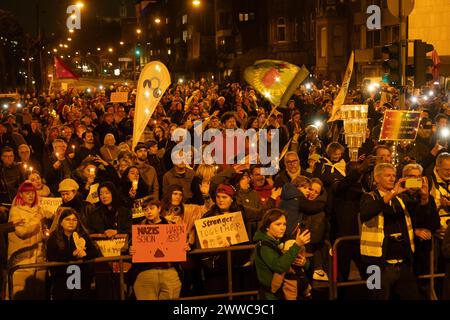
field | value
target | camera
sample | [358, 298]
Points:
[413, 183]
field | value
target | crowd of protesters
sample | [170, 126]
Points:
[61, 144]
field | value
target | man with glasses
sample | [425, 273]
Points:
[440, 191]
[292, 170]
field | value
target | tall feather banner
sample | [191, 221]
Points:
[153, 82]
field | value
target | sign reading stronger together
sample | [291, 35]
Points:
[221, 231]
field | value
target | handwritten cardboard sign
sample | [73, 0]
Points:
[220, 231]
[112, 247]
[119, 97]
[50, 204]
[93, 194]
[159, 242]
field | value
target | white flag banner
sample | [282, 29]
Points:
[340, 98]
[153, 82]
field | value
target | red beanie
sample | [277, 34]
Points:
[227, 189]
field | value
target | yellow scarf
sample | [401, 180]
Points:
[339, 166]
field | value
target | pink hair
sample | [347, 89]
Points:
[25, 187]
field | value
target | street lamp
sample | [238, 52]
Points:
[69, 39]
[110, 49]
[138, 31]
[196, 3]
[98, 49]
[157, 20]
[121, 43]
[80, 5]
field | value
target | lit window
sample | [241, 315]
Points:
[185, 35]
[184, 19]
[168, 40]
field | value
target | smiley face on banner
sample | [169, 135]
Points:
[275, 80]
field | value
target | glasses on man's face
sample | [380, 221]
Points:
[291, 162]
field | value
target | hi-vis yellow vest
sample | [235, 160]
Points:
[372, 233]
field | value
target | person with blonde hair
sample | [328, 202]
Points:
[109, 151]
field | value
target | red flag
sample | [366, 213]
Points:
[63, 71]
[436, 65]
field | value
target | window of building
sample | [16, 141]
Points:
[323, 42]
[373, 38]
[151, 52]
[252, 16]
[168, 40]
[185, 35]
[184, 19]
[338, 34]
[225, 20]
[169, 52]
[296, 29]
[281, 29]
[312, 27]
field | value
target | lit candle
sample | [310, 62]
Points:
[31, 169]
[135, 184]
[25, 166]
[73, 148]
[57, 155]
[92, 171]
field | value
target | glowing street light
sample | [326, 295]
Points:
[55, 50]
[110, 49]
[69, 39]
[98, 49]
[196, 3]
[157, 20]
[138, 31]
[71, 30]
[80, 5]
[121, 43]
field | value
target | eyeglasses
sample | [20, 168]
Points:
[291, 162]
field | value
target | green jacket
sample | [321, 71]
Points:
[269, 261]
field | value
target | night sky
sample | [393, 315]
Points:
[53, 12]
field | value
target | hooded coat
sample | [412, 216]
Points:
[269, 261]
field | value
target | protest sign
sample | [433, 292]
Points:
[221, 231]
[159, 242]
[111, 247]
[400, 125]
[93, 194]
[119, 97]
[50, 204]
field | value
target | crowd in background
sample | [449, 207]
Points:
[61, 144]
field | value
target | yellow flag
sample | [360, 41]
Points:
[340, 98]
[275, 80]
[153, 82]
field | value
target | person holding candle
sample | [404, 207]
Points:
[27, 161]
[59, 166]
[69, 242]
[133, 187]
[26, 243]
[88, 148]
[41, 188]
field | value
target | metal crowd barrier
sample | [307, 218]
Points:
[335, 284]
[230, 294]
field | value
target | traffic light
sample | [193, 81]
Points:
[393, 65]
[421, 63]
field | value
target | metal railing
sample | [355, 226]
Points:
[335, 284]
[333, 271]
[229, 294]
